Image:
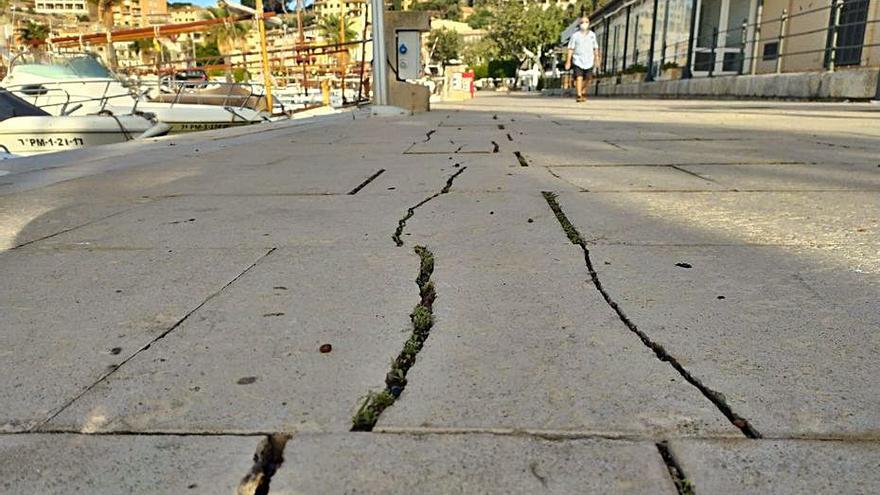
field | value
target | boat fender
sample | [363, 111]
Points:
[157, 130]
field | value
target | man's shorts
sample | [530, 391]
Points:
[579, 72]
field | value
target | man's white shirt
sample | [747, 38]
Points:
[583, 45]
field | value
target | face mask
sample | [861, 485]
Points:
[585, 26]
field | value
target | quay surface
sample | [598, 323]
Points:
[622, 296]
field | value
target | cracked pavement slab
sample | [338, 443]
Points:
[785, 467]
[734, 247]
[523, 340]
[61, 464]
[72, 316]
[250, 360]
[474, 463]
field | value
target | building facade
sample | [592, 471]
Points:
[727, 37]
[70, 7]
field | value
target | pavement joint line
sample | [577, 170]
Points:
[682, 484]
[70, 229]
[554, 174]
[401, 224]
[726, 191]
[452, 431]
[599, 165]
[267, 460]
[612, 143]
[717, 398]
[595, 242]
[422, 319]
[159, 337]
[694, 174]
[367, 181]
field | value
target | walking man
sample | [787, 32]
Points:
[583, 50]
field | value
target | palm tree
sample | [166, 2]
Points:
[34, 34]
[105, 13]
[228, 35]
[329, 26]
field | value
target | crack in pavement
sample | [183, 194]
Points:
[267, 459]
[70, 229]
[717, 398]
[684, 170]
[147, 346]
[367, 181]
[422, 319]
[682, 484]
[401, 224]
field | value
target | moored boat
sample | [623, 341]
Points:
[27, 130]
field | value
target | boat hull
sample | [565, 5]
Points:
[25, 136]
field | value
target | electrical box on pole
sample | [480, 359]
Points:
[409, 54]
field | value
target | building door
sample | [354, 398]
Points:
[851, 34]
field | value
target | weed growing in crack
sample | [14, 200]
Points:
[422, 318]
[401, 224]
[370, 409]
[573, 235]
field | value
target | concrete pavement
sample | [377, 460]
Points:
[623, 296]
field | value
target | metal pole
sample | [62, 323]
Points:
[626, 39]
[712, 51]
[650, 74]
[380, 57]
[687, 73]
[783, 21]
[665, 30]
[756, 38]
[605, 48]
[835, 30]
[742, 47]
[264, 52]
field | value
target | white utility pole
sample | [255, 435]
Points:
[380, 56]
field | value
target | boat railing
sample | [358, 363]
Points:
[70, 103]
[239, 95]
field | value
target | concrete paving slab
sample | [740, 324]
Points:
[102, 465]
[633, 179]
[70, 316]
[522, 339]
[788, 218]
[249, 360]
[787, 334]
[25, 218]
[783, 467]
[248, 221]
[392, 464]
[791, 177]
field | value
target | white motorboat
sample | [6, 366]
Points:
[27, 130]
[79, 84]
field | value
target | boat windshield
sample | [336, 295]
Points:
[72, 66]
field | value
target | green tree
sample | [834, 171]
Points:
[526, 31]
[227, 36]
[208, 53]
[447, 9]
[328, 26]
[480, 19]
[34, 34]
[478, 54]
[445, 45]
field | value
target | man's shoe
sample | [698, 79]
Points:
[581, 99]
